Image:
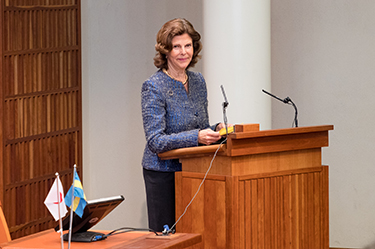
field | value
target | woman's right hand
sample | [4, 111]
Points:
[208, 136]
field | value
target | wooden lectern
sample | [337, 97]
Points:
[266, 189]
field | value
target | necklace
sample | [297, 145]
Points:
[184, 82]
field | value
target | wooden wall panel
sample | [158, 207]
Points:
[40, 103]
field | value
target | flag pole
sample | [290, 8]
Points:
[59, 203]
[71, 208]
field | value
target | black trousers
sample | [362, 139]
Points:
[160, 194]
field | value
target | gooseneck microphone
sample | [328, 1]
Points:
[288, 101]
[225, 105]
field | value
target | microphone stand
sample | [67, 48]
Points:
[225, 105]
[288, 101]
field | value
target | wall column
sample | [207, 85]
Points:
[237, 54]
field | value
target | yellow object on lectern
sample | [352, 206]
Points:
[223, 131]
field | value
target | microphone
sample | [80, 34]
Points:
[288, 101]
[225, 105]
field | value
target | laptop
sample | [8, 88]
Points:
[93, 213]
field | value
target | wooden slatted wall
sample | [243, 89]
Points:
[40, 106]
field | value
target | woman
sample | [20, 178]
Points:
[174, 111]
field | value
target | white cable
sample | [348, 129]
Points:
[200, 185]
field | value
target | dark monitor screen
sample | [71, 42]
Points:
[94, 212]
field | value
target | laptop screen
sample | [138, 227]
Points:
[94, 212]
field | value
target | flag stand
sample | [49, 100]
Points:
[71, 208]
[60, 219]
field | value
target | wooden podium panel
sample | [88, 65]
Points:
[266, 189]
[253, 164]
[276, 210]
[284, 210]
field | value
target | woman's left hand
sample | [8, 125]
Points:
[221, 126]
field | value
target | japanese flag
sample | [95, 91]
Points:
[54, 199]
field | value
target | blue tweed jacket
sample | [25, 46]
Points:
[172, 117]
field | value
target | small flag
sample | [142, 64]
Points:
[79, 202]
[52, 201]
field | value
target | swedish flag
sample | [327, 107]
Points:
[79, 202]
